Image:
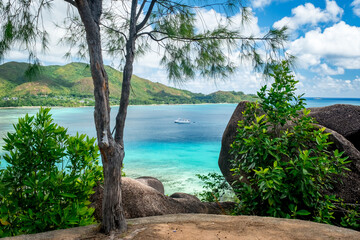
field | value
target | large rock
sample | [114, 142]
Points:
[184, 197]
[140, 200]
[227, 139]
[348, 186]
[342, 118]
[152, 182]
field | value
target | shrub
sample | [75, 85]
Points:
[216, 188]
[48, 178]
[281, 158]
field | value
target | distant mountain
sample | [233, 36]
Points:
[71, 85]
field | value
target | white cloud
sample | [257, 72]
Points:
[210, 20]
[324, 69]
[356, 7]
[260, 3]
[325, 86]
[56, 51]
[309, 14]
[243, 80]
[337, 45]
[305, 60]
[348, 63]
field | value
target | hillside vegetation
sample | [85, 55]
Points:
[71, 85]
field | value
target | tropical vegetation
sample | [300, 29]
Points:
[126, 34]
[282, 161]
[48, 177]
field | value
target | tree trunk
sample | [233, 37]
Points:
[112, 153]
[127, 73]
[112, 209]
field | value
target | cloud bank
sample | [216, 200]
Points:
[338, 45]
[309, 14]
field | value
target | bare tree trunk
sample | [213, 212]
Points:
[112, 153]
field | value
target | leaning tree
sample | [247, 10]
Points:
[126, 30]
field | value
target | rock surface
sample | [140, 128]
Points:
[349, 186]
[205, 227]
[342, 118]
[140, 200]
[227, 139]
[152, 182]
[184, 197]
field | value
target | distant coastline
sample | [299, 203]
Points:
[164, 104]
[321, 101]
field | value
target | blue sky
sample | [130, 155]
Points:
[325, 38]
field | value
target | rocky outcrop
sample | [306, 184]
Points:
[184, 197]
[152, 182]
[346, 187]
[140, 200]
[344, 118]
[227, 139]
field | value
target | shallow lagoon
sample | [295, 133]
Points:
[155, 145]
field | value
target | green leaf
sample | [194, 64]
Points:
[68, 195]
[271, 201]
[303, 212]
[258, 119]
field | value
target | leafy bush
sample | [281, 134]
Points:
[350, 215]
[281, 158]
[48, 179]
[215, 188]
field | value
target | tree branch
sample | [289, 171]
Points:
[144, 21]
[127, 73]
[112, 29]
[194, 39]
[140, 10]
[72, 2]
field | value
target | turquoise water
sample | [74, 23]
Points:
[322, 102]
[155, 145]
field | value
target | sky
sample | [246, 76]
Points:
[324, 38]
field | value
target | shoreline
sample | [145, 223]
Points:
[190, 104]
[173, 104]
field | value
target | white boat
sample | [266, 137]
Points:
[182, 121]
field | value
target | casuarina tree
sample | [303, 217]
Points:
[126, 30]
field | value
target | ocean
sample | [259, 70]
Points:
[156, 146]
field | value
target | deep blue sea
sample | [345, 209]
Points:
[154, 144]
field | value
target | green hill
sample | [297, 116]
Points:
[71, 85]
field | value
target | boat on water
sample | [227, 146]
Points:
[182, 121]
